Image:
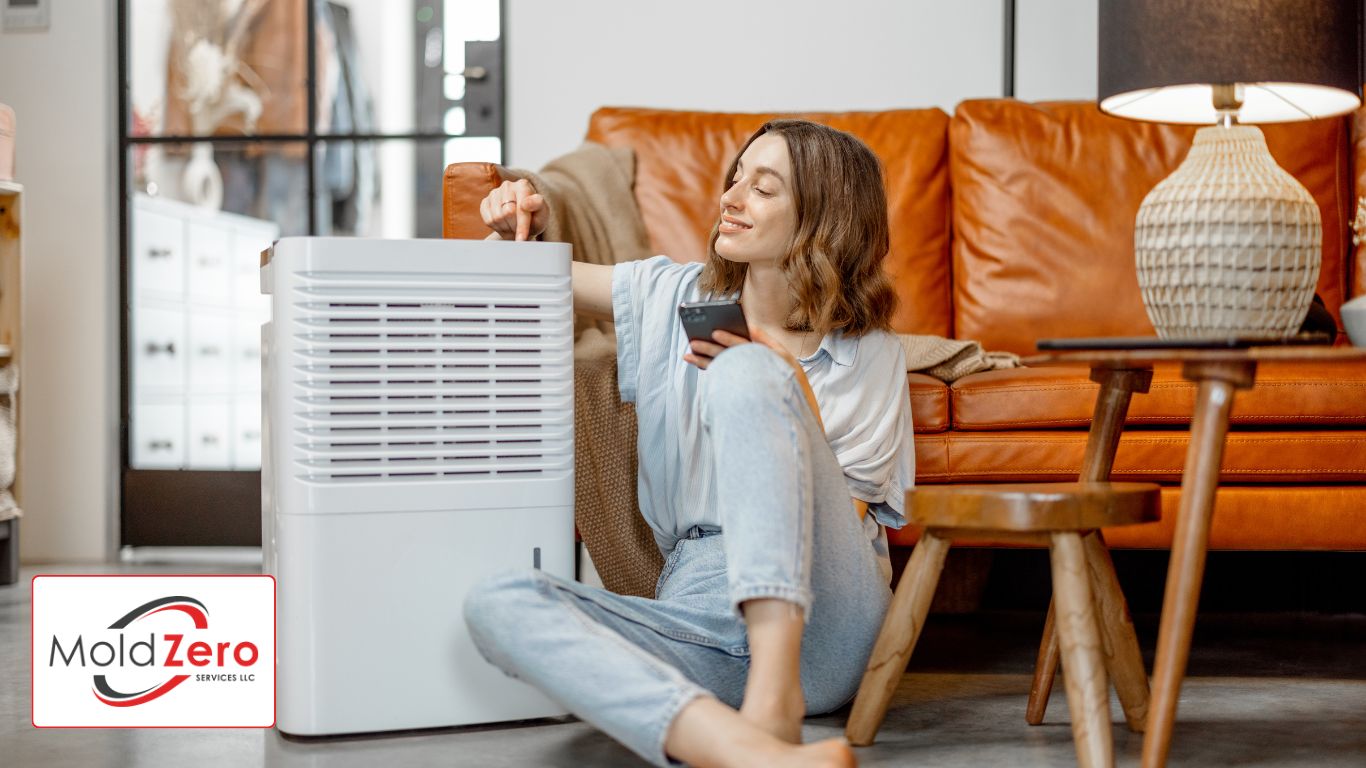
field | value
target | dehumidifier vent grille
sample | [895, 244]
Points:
[428, 377]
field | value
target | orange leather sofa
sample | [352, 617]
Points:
[1013, 222]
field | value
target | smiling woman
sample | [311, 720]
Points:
[761, 476]
[834, 263]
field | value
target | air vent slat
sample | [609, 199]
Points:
[410, 450]
[377, 354]
[499, 464]
[431, 377]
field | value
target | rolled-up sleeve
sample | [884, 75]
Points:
[645, 297]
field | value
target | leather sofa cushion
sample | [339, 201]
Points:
[1323, 394]
[1044, 202]
[682, 157]
[929, 403]
[463, 186]
[1323, 518]
[1145, 455]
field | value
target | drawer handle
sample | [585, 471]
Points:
[209, 262]
[169, 348]
[252, 434]
[160, 445]
[158, 253]
[210, 351]
[209, 440]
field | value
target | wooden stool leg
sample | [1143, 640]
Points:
[1117, 386]
[1123, 660]
[896, 640]
[1088, 694]
[1045, 669]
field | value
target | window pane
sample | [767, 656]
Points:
[215, 68]
[389, 188]
[474, 149]
[398, 67]
[195, 300]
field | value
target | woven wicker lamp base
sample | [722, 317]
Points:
[1230, 244]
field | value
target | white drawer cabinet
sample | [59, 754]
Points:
[158, 257]
[158, 353]
[246, 350]
[246, 427]
[209, 251]
[158, 435]
[210, 355]
[195, 342]
[209, 442]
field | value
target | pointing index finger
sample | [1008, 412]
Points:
[523, 218]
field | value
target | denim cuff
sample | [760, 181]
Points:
[801, 598]
[680, 700]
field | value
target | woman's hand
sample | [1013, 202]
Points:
[701, 353]
[514, 210]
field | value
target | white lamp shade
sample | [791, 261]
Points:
[1262, 103]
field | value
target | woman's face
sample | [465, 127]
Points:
[759, 211]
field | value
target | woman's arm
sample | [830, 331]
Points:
[516, 211]
[592, 290]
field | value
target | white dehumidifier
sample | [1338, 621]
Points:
[418, 409]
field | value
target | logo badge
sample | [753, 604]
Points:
[154, 651]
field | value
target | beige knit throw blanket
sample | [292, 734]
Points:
[951, 359]
[593, 207]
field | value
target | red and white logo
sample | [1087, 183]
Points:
[154, 651]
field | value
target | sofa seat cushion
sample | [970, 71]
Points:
[1146, 455]
[929, 403]
[1044, 202]
[682, 158]
[1319, 394]
[1319, 518]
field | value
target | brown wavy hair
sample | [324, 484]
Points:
[834, 267]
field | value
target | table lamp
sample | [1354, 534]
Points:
[1229, 244]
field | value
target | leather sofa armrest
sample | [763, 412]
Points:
[462, 187]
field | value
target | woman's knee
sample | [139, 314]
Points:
[747, 371]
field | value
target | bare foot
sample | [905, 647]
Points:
[781, 717]
[831, 753]
[709, 734]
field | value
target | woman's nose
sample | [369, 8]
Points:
[730, 199]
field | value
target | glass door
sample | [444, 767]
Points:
[242, 122]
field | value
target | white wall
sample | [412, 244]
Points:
[61, 86]
[1056, 49]
[566, 59]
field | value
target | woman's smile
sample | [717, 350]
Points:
[731, 225]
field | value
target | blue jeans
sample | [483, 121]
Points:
[629, 665]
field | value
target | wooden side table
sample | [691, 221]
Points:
[1219, 374]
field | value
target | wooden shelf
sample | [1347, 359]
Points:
[11, 187]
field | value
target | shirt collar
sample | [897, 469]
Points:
[840, 348]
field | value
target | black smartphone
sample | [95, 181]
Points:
[702, 318]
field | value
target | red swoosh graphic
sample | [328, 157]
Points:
[200, 620]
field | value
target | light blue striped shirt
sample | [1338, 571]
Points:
[860, 384]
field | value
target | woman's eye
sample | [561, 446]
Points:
[763, 192]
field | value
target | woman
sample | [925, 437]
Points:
[776, 581]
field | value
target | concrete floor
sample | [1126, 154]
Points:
[1265, 690]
